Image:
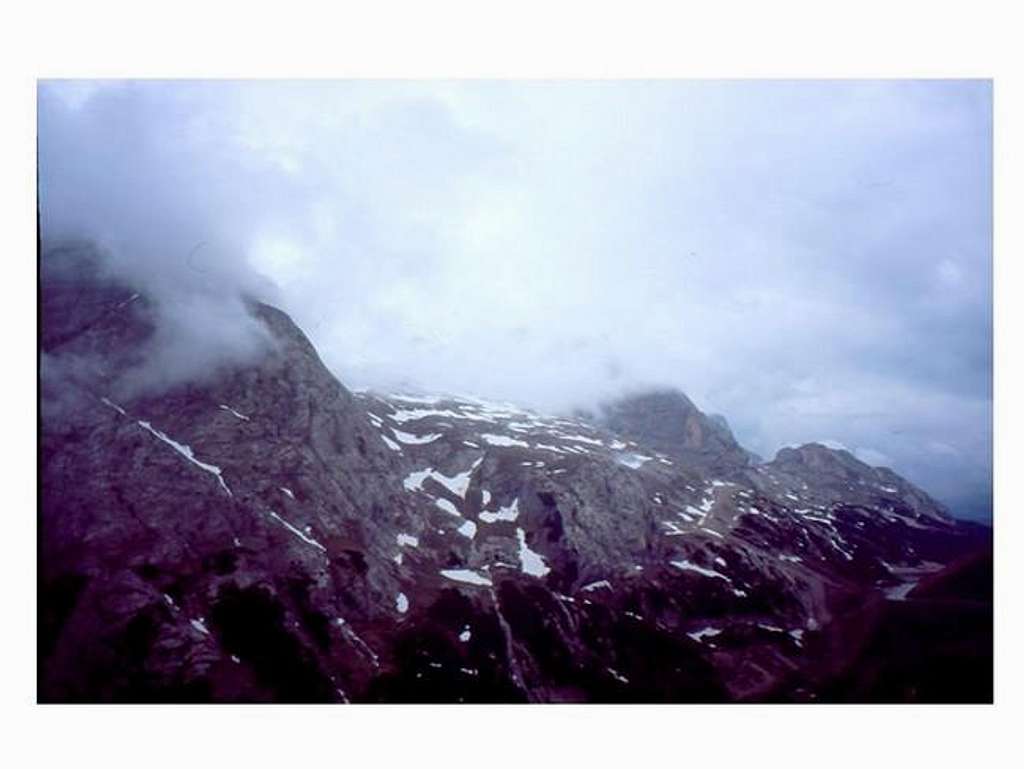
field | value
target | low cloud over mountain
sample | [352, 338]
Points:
[811, 259]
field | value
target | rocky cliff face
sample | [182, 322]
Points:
[668, 421]
[268, 535]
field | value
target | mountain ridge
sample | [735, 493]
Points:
[269, 535]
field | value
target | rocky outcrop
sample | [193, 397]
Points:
[668, 421]
[827, 473]
[265, 534]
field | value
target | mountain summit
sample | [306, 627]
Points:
[668, 421]
[263, 533]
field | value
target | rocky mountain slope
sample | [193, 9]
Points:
[269, 535]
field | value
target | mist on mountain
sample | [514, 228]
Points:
[812, 260]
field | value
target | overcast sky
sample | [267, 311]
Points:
[811, 259]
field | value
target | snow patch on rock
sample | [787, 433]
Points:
[530, 562]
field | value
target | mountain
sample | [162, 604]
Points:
[824, 473]
[265, 534]
[668, 421]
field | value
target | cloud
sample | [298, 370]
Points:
[138, 171]
[872, 456]
[811, 259]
